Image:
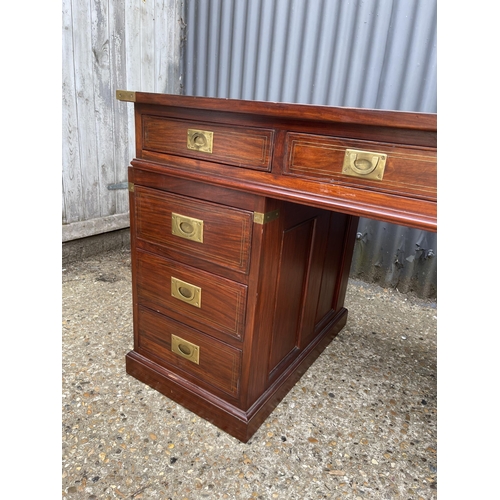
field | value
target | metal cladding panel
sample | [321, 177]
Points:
[377, 54]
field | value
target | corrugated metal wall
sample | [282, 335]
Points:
[363, 53]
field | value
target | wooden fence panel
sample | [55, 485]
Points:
[109, 45]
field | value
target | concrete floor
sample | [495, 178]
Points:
[360, 424]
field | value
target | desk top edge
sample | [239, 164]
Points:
[335, 114]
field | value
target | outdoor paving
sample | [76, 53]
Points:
[360, 424]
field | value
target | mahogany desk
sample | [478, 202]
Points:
[243, 218]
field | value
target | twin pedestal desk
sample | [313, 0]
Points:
[243, 219]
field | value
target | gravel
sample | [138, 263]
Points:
[360, 424]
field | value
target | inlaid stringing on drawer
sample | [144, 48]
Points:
[239, 146]
[157, 335]
[409, 171]
[223, 234]
[209, 302]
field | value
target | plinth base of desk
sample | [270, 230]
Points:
[238, 423]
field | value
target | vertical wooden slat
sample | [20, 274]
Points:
[119, 110]
[147, 38]
[71, 178]
[100, 51]
[84, 86]
[160, 46]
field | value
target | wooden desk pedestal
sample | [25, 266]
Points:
[243, 221]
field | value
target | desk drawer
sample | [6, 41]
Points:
[183, 349]
[408, 171]
[183, 225]
[200, 299]
[233, 145]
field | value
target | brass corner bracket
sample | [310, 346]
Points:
[260, 218]
[125, 95]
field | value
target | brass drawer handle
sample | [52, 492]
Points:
[191, 294]
[187, 227]
[200, 140]
[364, 164]
[186, 349]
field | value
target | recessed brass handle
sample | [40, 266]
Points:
[185, 349]
[200, 140]
[365, 164]
[191, 294]
[187, 227]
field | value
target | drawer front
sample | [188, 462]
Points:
[174, 343]
[198, 298]
[183, 225]
[374, 166]
[232, 145]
